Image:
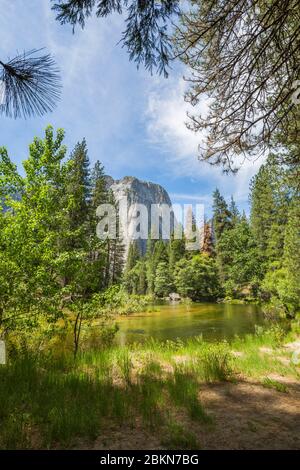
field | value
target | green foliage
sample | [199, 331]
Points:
[238, 259]
[197, 278]
[275, 221]
[291, 260]
[51, 261]
[163, 280]
[30, 229]
[116, 300]
[269, 209]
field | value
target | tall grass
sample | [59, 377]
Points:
[51, 401]
[46, 405]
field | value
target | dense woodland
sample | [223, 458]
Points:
[240, 258]
[52, 261]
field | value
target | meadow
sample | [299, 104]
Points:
[51, 400]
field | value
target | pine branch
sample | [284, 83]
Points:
[29, 85]
[147, 22]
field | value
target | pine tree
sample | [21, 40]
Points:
[78, 187]
[116, 250]
[269, 208]
[160, 252]
[99, 185]
[221, 215]
[150, 265]
[291, 260]
[238, 259]
[133, 255]
[98, 248]
[234, 212]
[176, 249]
[142, 283]
[163, 281]
[76, 225]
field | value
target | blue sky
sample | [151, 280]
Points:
[133, 122]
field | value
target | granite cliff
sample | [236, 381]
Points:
[137, 192]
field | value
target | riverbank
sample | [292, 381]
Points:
[171, 395]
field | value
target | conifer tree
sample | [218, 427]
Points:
[269, 208]
[238, 260]
[133, 256]
[221, 215]
[150, 265]
[234, 212]
[176, 249]
[78, 187]
[116, 250]
[99, 185]
[163, 281]
[142, 284]
[291, 260]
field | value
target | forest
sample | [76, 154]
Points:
[67, 381]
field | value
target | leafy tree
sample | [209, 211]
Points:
[197, 278]
[30, 234]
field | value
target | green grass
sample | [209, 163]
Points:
[184, 389]
[51, 404]
[256, 362]
[177, 437]
[50, 401]
[274, 384]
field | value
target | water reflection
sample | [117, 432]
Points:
[214, 322]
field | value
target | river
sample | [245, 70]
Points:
[215, 322]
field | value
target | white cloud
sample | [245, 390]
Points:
[166, 125]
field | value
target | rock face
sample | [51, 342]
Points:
[134, 192]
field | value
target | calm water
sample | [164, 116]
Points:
[213, 321]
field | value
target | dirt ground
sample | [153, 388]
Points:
[245, 414]
[250, 416]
